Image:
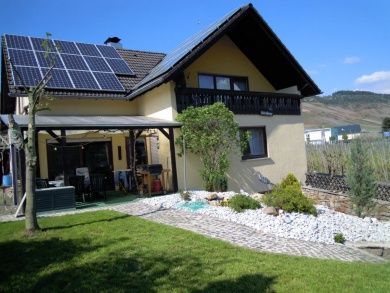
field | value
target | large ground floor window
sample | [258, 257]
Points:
[254, 141]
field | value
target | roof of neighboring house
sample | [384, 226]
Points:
[347, 129]
[245, 27]
[316, 129]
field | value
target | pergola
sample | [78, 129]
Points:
[87, 123]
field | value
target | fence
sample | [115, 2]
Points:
[337, 183]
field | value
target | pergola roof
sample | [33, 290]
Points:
[91, 122]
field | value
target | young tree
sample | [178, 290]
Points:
[360, 177]
[211, 133]
[35, 97]
[386, 124]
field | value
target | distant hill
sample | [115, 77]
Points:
[347, 107]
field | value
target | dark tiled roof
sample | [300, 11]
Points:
[141, 62]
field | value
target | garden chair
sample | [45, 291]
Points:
[98, 184]
[78, 183]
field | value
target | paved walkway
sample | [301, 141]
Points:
[242, 235]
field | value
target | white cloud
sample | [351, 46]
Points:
[374, 77]
[351, 60]
[378, 82]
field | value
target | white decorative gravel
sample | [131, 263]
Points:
[290, 225]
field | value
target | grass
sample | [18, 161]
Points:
[107, 251]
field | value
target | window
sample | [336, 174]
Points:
[206, 81]
[254, 142]
[220, 82]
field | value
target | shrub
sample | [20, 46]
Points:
[339, 238]
[210, 132]
[288, 196]
[360, 178]
[290, 180]
[241, 202]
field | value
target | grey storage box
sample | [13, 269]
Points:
[55, 198]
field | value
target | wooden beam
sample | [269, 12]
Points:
[173, 159]
[53, 135]
[162, 130]
[63, 143]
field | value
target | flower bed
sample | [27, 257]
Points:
[289, 225]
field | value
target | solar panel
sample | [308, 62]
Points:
[108, 51]
[74, 62]
[22, 57]
[30, 75]
[18, 42]
[97, 64]
[119, 66]
[76, 65]
[49, 59]
[66, 47]
[88, 49]
[183, 49]
[83, 80]
[59, 78]
[38, 44]
[108, 81]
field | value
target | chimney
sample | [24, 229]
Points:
[114, 42]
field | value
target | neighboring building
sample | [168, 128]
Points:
[100, 104]
[317, 135]
[326, 135]
[352, 131]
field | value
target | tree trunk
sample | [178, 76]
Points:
[31, 159]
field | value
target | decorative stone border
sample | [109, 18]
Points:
[340, 202]
[336, 183]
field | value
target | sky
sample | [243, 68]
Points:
[342, 44]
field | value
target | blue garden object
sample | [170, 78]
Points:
[193, 206]
[7, 180]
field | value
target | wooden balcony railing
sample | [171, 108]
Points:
[240, 102]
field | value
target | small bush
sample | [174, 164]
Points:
[241, 202]
[290, 180]
[185, 195]
[339, 238]
[288, 196]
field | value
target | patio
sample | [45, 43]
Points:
[67, 156]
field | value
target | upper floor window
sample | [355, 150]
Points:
[221, 82]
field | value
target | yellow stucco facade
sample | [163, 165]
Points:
[285, 143]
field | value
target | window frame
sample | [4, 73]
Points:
[265, 155]
[232, 78]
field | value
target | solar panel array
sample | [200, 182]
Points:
[75, 65]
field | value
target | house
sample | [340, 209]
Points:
[317, 135]
[327, 135]
[106, 97]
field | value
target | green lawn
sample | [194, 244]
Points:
[109, 252]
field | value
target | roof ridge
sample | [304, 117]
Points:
[141, 51]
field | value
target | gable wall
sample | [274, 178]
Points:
[224, 57]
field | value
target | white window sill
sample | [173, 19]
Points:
[256, 159]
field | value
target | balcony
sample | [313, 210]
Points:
[240, 102]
